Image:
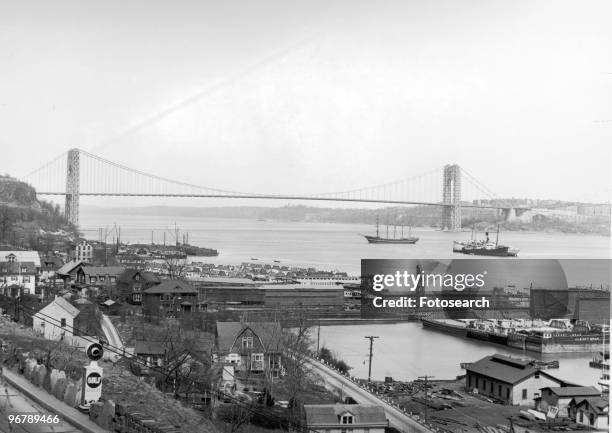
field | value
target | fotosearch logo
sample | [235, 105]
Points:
[411, 281]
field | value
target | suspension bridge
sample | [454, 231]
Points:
[78, 173]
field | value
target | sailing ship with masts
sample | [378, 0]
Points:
[391, 240]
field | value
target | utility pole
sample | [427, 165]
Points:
[426, 378]
[318, 337]
[371, 337]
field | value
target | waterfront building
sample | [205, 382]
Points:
[344, 418]
[250, 347]
[171, 298]
[593, 412]
[303, 296]
[509, 380]
[560, 397]
[17, 278]
[131, 283]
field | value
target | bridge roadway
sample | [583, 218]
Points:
[273, 197]
[396, 417]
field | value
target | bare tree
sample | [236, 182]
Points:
[296, 345]
[176, 267]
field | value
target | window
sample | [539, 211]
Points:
[112, 279]
[537, 374]
[507, 393]
[26, 279]
[247, 342]
[24, 269]
[491, 388]
[581, 416]
[137, 297]
[137, 277]
[63, 323]
[102, 279]
[347, 419]
[13, 277]
[499, 390]
[93, 279]
[524, 394]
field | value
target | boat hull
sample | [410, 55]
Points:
[379, 240]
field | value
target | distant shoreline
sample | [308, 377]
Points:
[356, 216]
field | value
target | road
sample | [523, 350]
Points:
[112, 336]
[396, 417]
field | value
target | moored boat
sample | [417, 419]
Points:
[484, 248]
[388, 240]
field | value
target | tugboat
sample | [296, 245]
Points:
[485, 248]
[394, 240]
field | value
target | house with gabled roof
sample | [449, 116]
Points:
[593, 412]
[17, 278]
[170, 298]
[559, 397]
[56, 321]
[131, 283]
[354, 418]
[254, 347]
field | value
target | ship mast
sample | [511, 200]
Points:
[377, 225]
[497, 236]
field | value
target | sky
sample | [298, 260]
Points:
[300, 97]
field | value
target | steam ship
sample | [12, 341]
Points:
[484, 248]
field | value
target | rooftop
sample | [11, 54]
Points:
[103, 270]
[503, 368]
[172, 286]
[598, 404]
[573, 391]
[330, 414]
[269, 333]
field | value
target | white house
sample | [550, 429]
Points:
[344, 418]
[17, 278]
[56, 320]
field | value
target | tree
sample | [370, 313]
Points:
[296, 345]
[176, 267]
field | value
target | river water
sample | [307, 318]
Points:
[403, 351]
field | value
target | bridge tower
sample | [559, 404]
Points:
[71, 208]
[451, 198]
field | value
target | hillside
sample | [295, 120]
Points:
[26, 222]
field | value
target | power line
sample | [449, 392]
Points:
[167, 372]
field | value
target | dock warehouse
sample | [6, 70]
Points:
[294, 295]
[512, 381]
